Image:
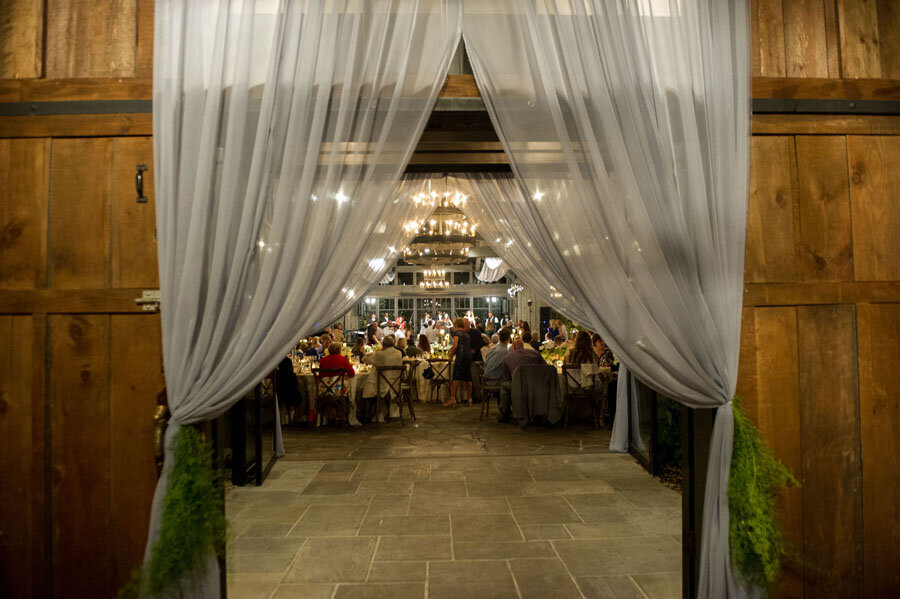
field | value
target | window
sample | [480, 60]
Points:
[405, 278]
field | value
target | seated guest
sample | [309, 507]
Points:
[313, 349]
[529, 342]
[604, 354]
[559, 340]
[386, 356]
[359, 349]
[493, 367]
[412, 350]
[335, 360]
[517, 357]
[424, 344]
[338, 333]
[380, 333]
[553, 330]
[489, 343]
[370, 333]
[582, 352]
[400, 343]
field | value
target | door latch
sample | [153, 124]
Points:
[149, 300]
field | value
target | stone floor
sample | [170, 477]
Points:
[454, 508]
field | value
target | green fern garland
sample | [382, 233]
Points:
[755, 538]
[193, 519]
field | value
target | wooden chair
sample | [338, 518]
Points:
[575, 391]
[330, 398]
[441, 369]
[490, 391]
[408, 386]
[393, 386]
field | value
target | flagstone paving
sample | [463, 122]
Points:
[454, 508]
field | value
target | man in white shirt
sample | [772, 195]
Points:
[431, 332]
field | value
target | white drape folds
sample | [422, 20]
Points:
[281, 130]
[492, 269]
[627, 127]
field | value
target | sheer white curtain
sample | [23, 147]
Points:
[492, 269]
[627, 126]
[281, 130]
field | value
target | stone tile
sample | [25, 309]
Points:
[645, 491]
[565, 487]
[439, 488]
[267, 529]
[593, 500]
[545, 532]
[329, 521]
[458, 505]
[389, 505]
[397, 572]
[558, 473]
[542, 510]
[493, 489]
[267, 544]
[411, 473]
[333, 560]
[604, 530]
[415, 548]
[330, 488]
[306, 591]
[357, 499]
[501, 550]
[491, 527]
[393, 590]
[252, 562]
[609, 587]
[339, 467]
[628, 555]
[406, 525]
[464, 580]
[657, 521]
[386, 487]
[259, 496]
[543, 578]
[332, 476]
[252, 586]
[660, 585]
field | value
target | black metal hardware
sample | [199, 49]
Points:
[139, 183]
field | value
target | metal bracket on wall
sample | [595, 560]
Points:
[149, 300]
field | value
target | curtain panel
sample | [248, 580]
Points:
[627, 128]
[281, 130]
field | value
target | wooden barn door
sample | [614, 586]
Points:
[80, 364]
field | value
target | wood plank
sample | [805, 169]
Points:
[770, 255]
[879, 409]
[144, 64]
[889, 37]
[80, 452]
[821, 292]
[860, 52]
[79, 222]
[59, 90]
[133, 224]
[135, 380]
[25, 182]
[460, 86]
[874, 179]
[829, 420]
[70, 301]
[806, 51]
[747, 380]
[91, 38]
[778, 418]
[824, 124]
[79, 125]
[767, 30]
[832, 39]
[826, 89]
[22, 519]
[826, 249]
[21, 38]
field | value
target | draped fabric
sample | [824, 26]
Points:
[627, 128]
[492, 269]
[281, 130]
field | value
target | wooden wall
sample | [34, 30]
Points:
[80, 365]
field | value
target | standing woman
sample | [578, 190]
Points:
[461, 352]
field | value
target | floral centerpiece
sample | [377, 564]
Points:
[554, 354]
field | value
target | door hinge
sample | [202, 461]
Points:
[149, 300]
